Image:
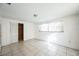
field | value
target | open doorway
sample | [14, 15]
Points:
[20, 32]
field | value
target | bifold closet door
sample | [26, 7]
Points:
[0, 38]
[13, 32]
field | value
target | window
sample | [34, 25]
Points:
[43, 27]
[55, 26]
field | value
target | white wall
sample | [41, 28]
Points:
[9, 31]
[68, 38]
[71, 31]
[29, 30]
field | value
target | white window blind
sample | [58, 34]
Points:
[43, 27]
[54, 26]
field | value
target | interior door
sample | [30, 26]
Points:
[20, 32]
[13, 32]
[0, 39]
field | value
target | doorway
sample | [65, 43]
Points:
[20, 32]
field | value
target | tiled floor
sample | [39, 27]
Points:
[37, 48]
